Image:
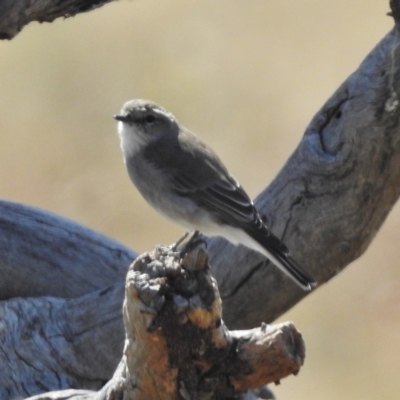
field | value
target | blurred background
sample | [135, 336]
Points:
[247, 76]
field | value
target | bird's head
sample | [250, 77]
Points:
[141, 122]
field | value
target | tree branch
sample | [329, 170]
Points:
[50, 343]
[176, 344]
[43, 254]
[331, 197]
[15, 14]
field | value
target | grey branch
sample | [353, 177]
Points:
[332, 196]
[15, 14]
[50, 343]
[177, 346]
[43, 254]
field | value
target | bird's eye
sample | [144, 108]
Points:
[149, 119]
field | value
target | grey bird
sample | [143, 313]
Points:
[185, 181]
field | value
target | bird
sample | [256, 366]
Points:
[183, 179]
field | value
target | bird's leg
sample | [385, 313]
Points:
[192, 243]
[175, 245]
[195, 236]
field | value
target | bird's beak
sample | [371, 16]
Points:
[122, 118]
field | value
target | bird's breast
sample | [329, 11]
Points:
[154, 186]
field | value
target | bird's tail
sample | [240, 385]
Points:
[292, 268]
[274, 249]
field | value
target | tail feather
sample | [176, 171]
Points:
[279, 254]
[293, 269]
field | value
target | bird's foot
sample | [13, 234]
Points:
[174, 246]
[194, 241]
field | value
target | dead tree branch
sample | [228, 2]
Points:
[332, 196]
[43, 254]
[176, 344]
[49, 343]
[15, 14]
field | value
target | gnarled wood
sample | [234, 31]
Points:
[177, 346]
[331, 197]
[42, 254]
[15, 14]
[50, 343]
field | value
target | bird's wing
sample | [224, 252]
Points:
[199, 174]
[223, 197]
[229, 204]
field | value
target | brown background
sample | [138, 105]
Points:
[247, 76]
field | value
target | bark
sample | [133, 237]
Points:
[45, 255]
[332, 196]
[15, 14]
[51, 343]
[176, 344]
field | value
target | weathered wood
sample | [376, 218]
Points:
[15, 14]
[331, 197]
[176, 344]
[51, 343]
[42, 254]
